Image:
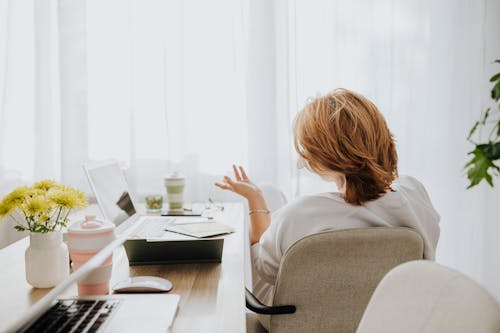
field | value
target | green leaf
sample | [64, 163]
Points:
[491, 150]
[473, 130]
[498, 60]
[478, 167]
[19, 227]
[485, 116]
[495, 92]
[495, 77]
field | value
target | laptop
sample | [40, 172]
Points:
[108, 313]
[152, 242]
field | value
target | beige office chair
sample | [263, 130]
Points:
[425, 297]
[326, 280]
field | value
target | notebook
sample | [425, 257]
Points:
[201, 230]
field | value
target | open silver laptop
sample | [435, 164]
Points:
[151, 243]
[117, 204]
[109, 313]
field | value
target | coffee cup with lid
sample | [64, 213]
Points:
[85, 239]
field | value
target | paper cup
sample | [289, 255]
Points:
[85, 239]
[174, 185]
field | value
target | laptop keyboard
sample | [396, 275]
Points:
[153, 227]
[74, 316]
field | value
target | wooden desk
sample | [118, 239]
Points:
[212, 295]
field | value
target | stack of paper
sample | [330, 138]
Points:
[200, 230]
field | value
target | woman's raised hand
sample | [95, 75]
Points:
[256, 202]
[242, 185]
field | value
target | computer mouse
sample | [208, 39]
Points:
[143, 284]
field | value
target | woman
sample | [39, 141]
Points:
[344, 139]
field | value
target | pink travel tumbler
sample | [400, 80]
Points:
[85, 239]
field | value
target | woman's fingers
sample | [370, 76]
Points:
[226, 185]
[236, 173]
[243, 173]
[228, 180]
[223, 186]
[234, 185]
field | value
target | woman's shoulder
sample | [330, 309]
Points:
[409, 183]
[407, 180]
[411, 187]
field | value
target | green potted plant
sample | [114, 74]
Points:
[485, 153]
[43, 209]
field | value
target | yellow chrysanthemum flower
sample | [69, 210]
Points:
[44, 218]
[14, 199]
[67, 197]
[45, 205]
[19, 194]
[17, 197]
[45, 184]
[37, 205]
[6, 207]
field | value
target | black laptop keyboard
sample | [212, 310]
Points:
[74, 316]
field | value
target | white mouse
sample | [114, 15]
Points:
[143, 284]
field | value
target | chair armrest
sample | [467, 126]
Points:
[256, 306]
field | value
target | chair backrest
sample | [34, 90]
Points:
[331, 276]
[425, 297]
[275, 198]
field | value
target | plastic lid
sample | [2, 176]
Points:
[91, 225]
[174, 175]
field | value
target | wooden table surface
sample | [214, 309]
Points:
[212, 295]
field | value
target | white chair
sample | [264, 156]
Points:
[274, 197]
[425, 297]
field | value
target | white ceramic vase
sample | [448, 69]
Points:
[46, 259]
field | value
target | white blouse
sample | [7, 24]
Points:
[408, 206]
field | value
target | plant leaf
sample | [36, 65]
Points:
[491, 150]
[473, 130]
[495, 77]
[495, 92]
[485, 116]
[498, 60]
[19, 227]
[478, 167]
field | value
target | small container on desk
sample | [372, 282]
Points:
[154, 203]
[85, 239]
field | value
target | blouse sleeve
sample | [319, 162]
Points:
[266, 254]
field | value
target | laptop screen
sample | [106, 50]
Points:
[111, 191]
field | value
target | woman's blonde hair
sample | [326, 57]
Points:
[344, 132]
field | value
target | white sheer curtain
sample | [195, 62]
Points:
[158, 85]
[166, 88]
[197, 85]
[29, 97]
